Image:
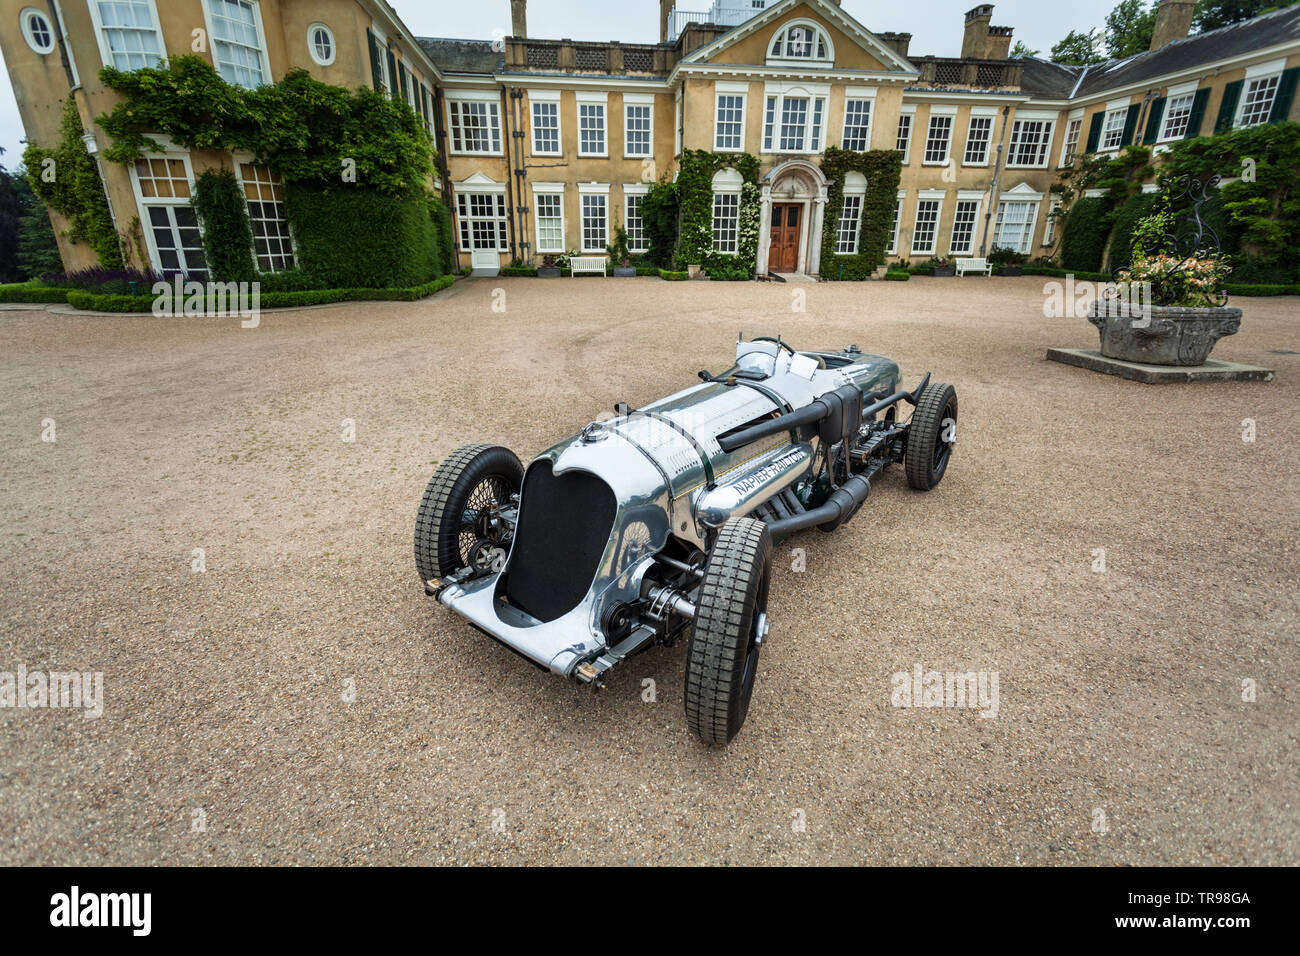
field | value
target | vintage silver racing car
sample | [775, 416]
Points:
[662, 518]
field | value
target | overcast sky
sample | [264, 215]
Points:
[935, 25]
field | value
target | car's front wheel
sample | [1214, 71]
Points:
[460, 519]
[730, 625]
[931, 436]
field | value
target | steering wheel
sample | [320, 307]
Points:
[768, 338]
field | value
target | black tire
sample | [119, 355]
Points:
[722, 658]
[928, 455]
[480, 472]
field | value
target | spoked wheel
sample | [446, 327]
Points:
[729, 630]
[460, 522]
[931, 436]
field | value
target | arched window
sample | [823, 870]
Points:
[37, 30]
[801, 41]
[320, 43]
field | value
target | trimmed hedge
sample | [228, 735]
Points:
[1081, 275]
[362, 238]
[895, 276]
[674, 276]
[28, 292]
[1249, 290]
[516, 271]
[270, 300]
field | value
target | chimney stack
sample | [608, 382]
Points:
[1173, 21]
[976, 38]
[665, 14]
[999, 44]
[898, 42]
[519, 19]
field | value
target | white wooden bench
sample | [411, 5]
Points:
[977, 266]
[587, 264]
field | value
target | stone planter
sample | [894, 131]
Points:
[625, 272]
[944, 271]
[548, 272]
[1011, 271]
[1165, 336]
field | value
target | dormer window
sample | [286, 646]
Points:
[802, 42]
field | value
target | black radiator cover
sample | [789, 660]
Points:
[564, 525]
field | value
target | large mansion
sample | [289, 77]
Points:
[547, 145]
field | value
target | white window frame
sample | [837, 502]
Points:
[311, 44]
[1113, 110]
[727, 185]
[24, 22]
[635, 191]
[898, 223]
[106, 52]
[591, 101]
[965, 198]
[247, 159]
[855, 195]
[142, 203]
[549, 98]
[820, 38]
[1043, 150]
[866, 98]
[1049, 227]
[935, 196]
[910, 113]
[739, 91]
[548, 190]
[989, 115]
[264, 62]
[944, 113]
[645, 101]
[494, 136]
[1258, 74]
[1070, 142]
[586, 191]
[815, 119]
[464, 223]
[1011, 197]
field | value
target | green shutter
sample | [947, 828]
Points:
[1285, 94]
[1130, 125]
[1228, 107]
[424, 104]
[401, 73]
[1094, 131]
[392, 73]
[376, 71]
[1196, 119]
[1154, 120]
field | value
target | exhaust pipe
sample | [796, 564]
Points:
[842, 505]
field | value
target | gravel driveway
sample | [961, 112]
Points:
[299, 700]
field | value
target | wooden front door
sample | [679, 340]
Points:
[784, 253]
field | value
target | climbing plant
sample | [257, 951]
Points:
[305, 130]
[659, 212]
[882, 169]
[66, 178]
[695, 204]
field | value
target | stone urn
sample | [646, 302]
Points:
[1161, 335]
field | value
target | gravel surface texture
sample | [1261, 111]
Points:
[301, 701]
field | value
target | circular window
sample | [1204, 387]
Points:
[37, 30]
[320, 43]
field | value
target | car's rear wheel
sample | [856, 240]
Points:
[459, 522]
[931, 436]
[730, 625]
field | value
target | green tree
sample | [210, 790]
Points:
[11, 211]
[1077, 49]
[1212, 14]
[1021, 49]
[38, 249]
[1129, 28]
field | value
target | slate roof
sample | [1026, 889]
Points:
[1045, 79]
[463, 56]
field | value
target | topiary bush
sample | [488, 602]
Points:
[227, 232]
[1083, 240]
[1120, 254]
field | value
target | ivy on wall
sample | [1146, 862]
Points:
[66, 178]
[305, 130]
[660, 211]
[695, 207]
[227, 232]
[882, 169]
